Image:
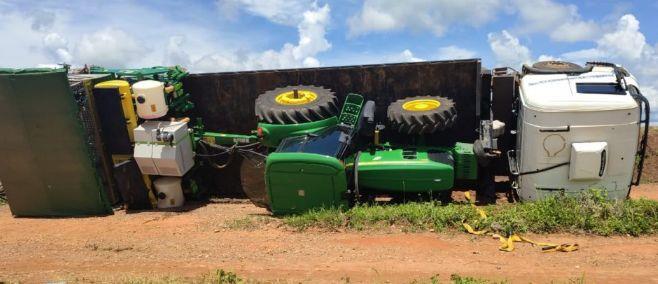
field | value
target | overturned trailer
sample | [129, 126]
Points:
[226, 101]
[404, 129]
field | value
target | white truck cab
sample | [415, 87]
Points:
[577, 129]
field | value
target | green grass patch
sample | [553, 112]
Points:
[250, 223]
[586, 213]
[457, 279]
[219, 276]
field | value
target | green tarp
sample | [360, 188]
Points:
[46, 164]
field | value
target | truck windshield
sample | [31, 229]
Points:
[600, 88]
[325, 142]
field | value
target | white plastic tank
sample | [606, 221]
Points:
[169, 192]
[150, 99]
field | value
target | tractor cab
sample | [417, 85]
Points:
[334, 141]
[307, 171]
[331, 142]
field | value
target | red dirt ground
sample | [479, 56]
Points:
[152, 245]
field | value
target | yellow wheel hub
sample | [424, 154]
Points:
[421, 105]
[296, 97]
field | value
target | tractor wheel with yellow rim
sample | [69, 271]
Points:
[421, 115]
[296, 104]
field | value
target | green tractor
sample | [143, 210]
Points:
[305, 154]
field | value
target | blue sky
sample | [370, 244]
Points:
[229, 35]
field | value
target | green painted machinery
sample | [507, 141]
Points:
[316, 157]
[268, 135]
[335, 166]
[406, 170]
[297, 182]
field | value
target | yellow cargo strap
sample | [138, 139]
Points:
[483, 215]
[507, 243]
[470, 230]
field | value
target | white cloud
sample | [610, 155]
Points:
[43, 41]
[575, 31]
[625, 45]
[42, 20]
[26, 52]
[508, 50]
[561, 22]
[110, 47]
[433, 15]
[312, 41]
[57, 46]
[626, 42]
[584, 54]
[54, 34]
[285, 12]
[175, 54]
[404, 56]
[312, 32]
[54, 40]
[49, 33]
[455, 52]
[545, 57]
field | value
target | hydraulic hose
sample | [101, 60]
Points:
[544, 169]
[243, 150]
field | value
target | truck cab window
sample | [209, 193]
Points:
[600, 88]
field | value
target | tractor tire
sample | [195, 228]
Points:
[421, 115]
[296, 104]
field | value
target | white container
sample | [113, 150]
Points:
[150, 99]
[169, 192]
[163, 158]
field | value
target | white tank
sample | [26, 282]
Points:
[169, 192]
[150, 99]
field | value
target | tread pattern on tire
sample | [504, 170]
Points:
[557, 66]
[323, 107]
[422, 122]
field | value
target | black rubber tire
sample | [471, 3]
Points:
[422, 122]
[558, 66]
[323, 107]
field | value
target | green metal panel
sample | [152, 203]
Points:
[351, 111]
[228, 139]
[406, 170]
[297, 182]
[11, 71]
[466, 166]
[155, 72]
[47, 166]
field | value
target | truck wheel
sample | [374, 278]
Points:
[296, 104]
[422, 115]
[557, 66]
